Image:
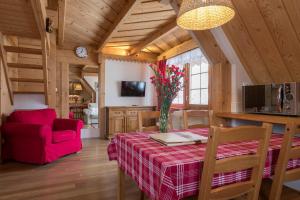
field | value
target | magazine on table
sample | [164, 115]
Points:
[178, 138]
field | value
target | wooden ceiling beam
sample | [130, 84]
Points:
[62, 5]
[122, 54]
[179, 49]
[126, 11]
[40, 15]
[52, 4]
[209, 46]
[158, 34]
[39, 10]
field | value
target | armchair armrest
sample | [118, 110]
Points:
[67, 124]
[32, 131]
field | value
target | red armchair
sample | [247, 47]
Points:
[38, 137]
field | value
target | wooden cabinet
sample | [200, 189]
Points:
[123, 119]
[131, 124]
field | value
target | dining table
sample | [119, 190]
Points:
[174, 172]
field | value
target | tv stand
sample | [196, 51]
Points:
[123, 119]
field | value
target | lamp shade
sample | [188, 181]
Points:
[204, 14]
[77, 87]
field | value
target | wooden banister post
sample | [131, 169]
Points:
[3, 59]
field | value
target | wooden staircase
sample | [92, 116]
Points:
[24, 58]
[27, 78]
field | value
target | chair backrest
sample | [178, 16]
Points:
[196, 115]
[147, 116]
[150, 116]
[42, 116]
[255, 161]
[287, 152]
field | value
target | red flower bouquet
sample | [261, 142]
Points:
[167, 82]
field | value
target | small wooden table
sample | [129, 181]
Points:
[287, 151]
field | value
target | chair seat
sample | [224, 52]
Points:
[63, 136]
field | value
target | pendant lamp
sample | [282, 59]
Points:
[204, 14]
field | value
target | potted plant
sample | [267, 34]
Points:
[167, 82]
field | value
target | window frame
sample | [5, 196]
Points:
[200, 88]
[186, 89]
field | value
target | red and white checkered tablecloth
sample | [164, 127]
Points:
[171, 173]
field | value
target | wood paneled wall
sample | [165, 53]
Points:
[220, 87]
[5, 104]
[265, 36]
[62, 95]
[101, 97]
[51, 61]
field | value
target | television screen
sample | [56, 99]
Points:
[133, 88]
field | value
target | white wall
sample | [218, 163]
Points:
[29, 101]
[239, 77]
[117, 71]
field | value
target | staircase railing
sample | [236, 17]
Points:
[5, 69]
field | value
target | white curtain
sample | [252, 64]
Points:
[198, 64]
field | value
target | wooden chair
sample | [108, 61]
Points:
[147, 116]
[287, 152]
[189, 115]
[256, 162]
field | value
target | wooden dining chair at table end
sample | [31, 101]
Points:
[151, 118]
[256, 162]
[206, 116]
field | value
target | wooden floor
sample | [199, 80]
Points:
[87, 175]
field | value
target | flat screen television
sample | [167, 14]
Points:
[133, 88]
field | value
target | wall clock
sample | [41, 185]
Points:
[81, 52]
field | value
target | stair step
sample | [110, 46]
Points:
[31, 80]
[24, 66]
[15, 49]
[28, 92]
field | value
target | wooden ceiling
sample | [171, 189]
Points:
[86, 22]
[266, 36]
[17, 18]
[170, 40]
[123, 24]
[130, 25]
[264, 33]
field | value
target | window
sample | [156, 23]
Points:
[198, 76]
[199, 82]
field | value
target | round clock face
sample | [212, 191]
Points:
[81, 52]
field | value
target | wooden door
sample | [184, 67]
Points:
[117, 125]
[131, 124]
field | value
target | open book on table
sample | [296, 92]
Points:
[178, 138]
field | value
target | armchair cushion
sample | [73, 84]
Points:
[33, 131]
[42, 116]
[63, 136]
[67, 124]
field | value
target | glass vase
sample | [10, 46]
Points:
[164, 115]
